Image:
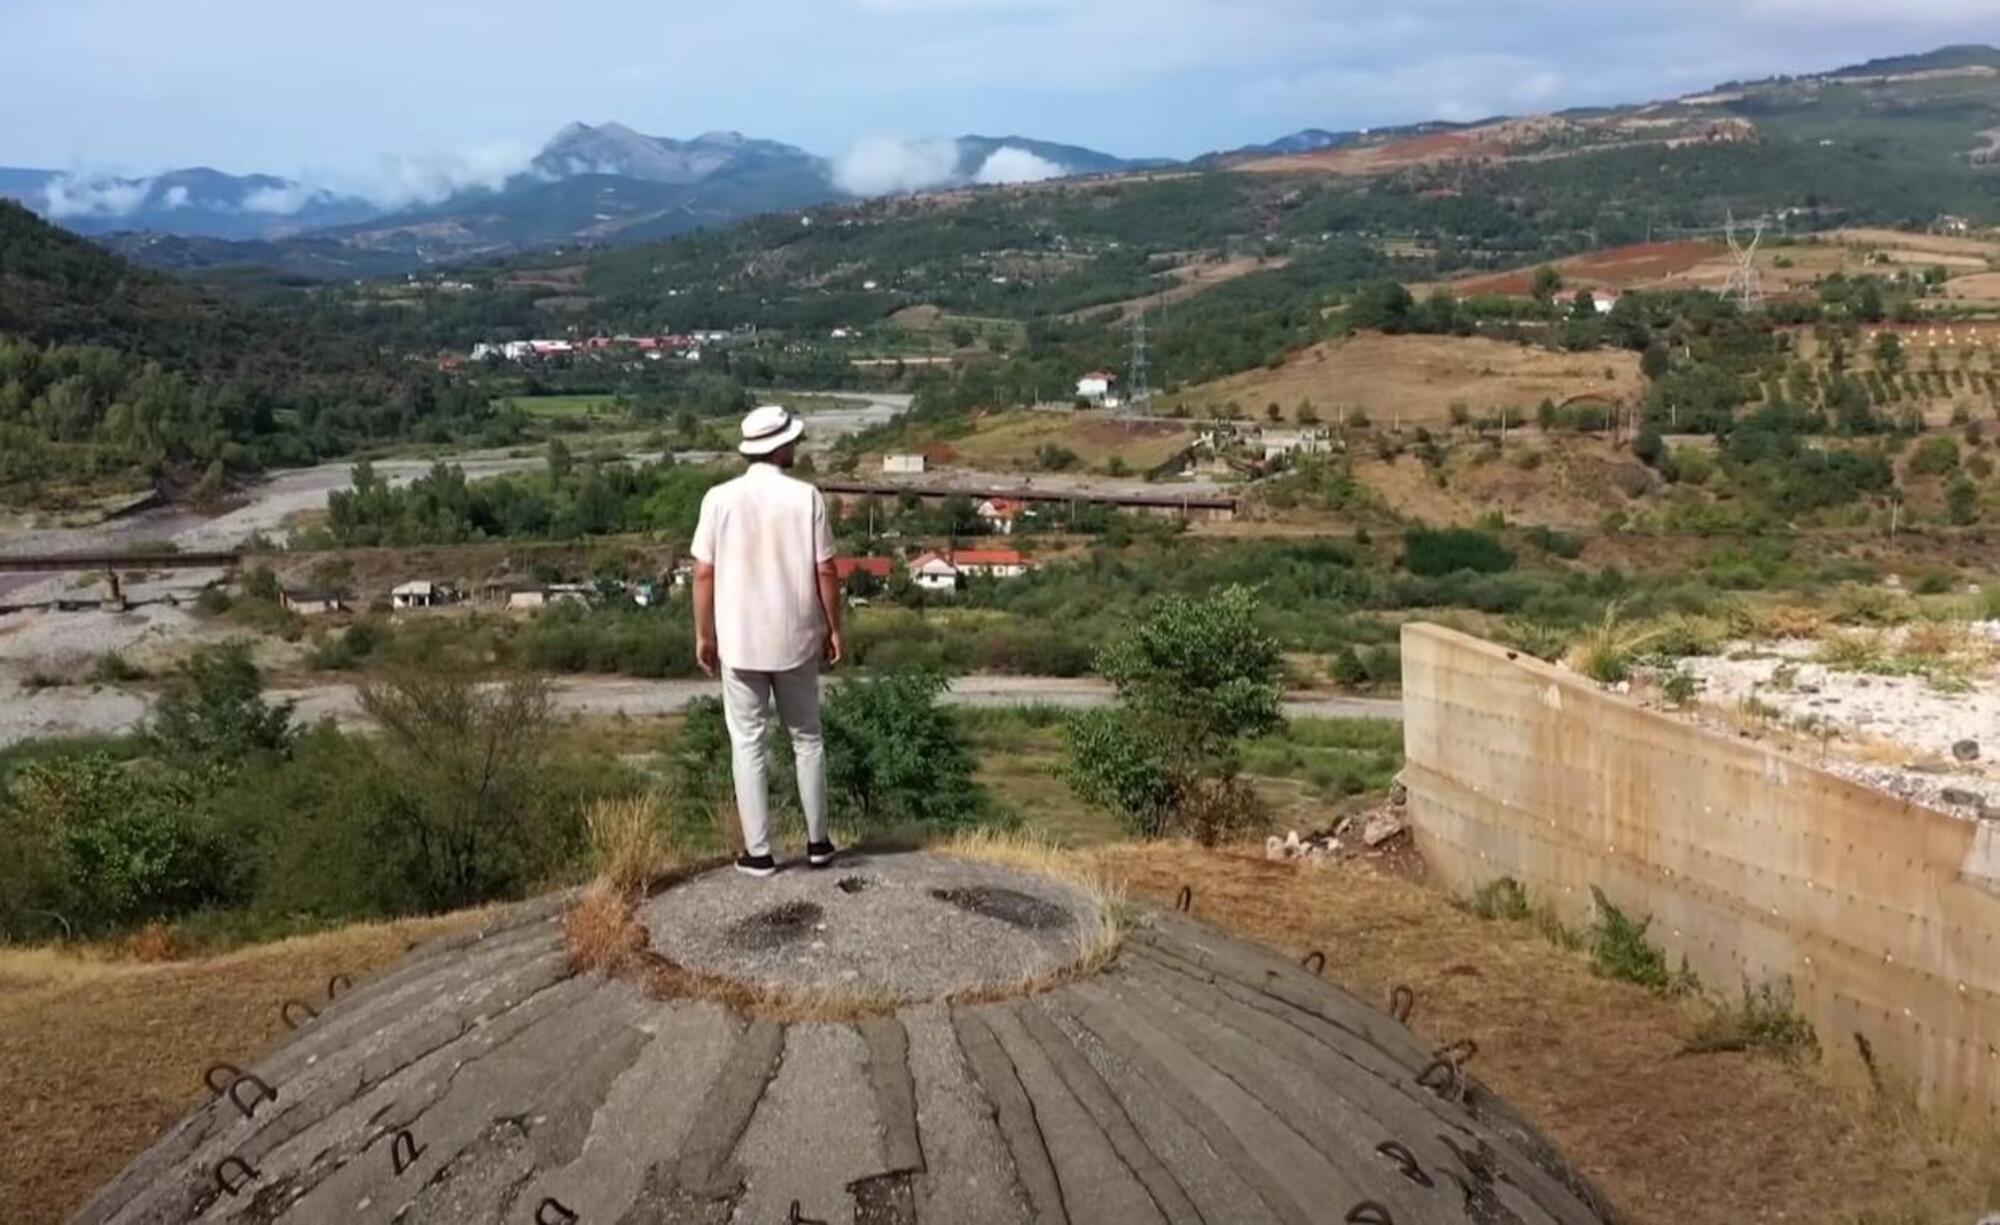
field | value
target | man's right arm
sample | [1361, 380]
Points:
[703, 547]
[705, 653]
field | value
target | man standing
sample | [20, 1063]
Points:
[766, 613]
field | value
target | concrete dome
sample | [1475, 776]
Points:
[1195, 1079]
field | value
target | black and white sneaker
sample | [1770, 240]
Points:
[819, 854]
[756, 865]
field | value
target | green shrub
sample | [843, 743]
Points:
[1765, 1019]
[1442, 551]
[1619, 949]
[112, 668]
[1500, 898]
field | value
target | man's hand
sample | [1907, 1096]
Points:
[836, 648]
[705, 654]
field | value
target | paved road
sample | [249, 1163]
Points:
[77, 710]
[606, 696]
[1197, 1080]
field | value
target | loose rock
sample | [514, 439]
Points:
[1966, 750]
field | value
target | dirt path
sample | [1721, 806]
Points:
[1679, 1140]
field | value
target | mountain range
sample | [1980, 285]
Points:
[607, 183]
[597, 184]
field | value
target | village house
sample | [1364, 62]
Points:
[934, 572]
[906, 464]
[1304, 440]
[421, 593]
[1603, 300]
[945, 571]
[1095, 386]
[527, 596]
[999, 515]
[311, 601]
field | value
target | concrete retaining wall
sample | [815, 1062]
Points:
[1755, 867]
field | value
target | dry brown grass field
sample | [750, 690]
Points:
[1416, 379]
[1011, 440]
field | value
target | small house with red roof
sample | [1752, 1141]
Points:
[999, 514]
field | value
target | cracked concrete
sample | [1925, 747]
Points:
[1198, 1080]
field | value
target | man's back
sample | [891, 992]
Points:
[766, 533]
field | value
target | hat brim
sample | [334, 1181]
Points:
[772, 442]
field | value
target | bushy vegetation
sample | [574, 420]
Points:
[896, 762]
[225, 807]
[1194, 679]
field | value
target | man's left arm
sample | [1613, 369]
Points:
[828, 577]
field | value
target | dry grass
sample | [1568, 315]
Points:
[1777, 622]
[98, 1055]
[1098, 941]
[626, 842]
[1720, 1138]
[1418, 378]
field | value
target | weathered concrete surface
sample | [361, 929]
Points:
[911, 926]
[1197, 1081]
[1754, 866]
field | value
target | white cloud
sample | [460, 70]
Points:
[402, 180]
[883, 165]
[1008, 164]
[176, 197]
[74, 196]
[281, 201]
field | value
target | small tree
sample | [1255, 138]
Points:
[1193, 679]
[215, 719]
[1547, 281]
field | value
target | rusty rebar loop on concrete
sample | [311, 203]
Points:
[1314, 961]
[1406, 1161]
[337, 984]
[1368, 1212]
[286, 1009]
[264, 1093]
[553, 1211]
[404, 1151]
[1402, 1001]
[229, 1069]
[1184, 900]
[797, 1216]
[247, 1171]
[1444, 1078]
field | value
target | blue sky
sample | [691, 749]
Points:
[405, 96]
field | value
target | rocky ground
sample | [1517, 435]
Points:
[1933, 741]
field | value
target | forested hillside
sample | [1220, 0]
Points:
[113, 378]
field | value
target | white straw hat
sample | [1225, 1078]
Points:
[768, 428]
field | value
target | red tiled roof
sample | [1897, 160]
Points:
[988, 557]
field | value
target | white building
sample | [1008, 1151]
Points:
[910, 464]
[999, 515]
[1306, 440]
[943, 572]
[1603, 300]
[934, 572]
[421, 593]
[310, 601]
[1095, 386]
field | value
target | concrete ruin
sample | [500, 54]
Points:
[1195, 1078]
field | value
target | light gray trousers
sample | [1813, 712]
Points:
[747, 699]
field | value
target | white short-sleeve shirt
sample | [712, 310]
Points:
[766, 533]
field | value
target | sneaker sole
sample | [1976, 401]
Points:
[758, 872]
[820, 861]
